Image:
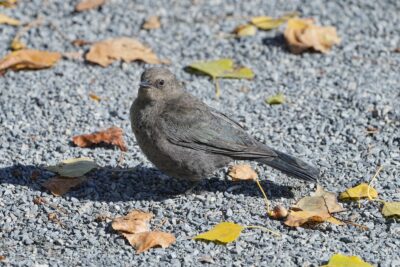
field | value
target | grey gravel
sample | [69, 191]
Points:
[331, 100]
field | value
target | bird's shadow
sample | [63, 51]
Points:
[108, 184]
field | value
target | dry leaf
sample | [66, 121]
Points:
[73, 167]
[339, 260]
[278, 212]
[224, 232]
[59, 185]
[39, 201]
[391, 209]
[267, 23]
[242, 172]
[4, 19]
[276, 99]
[75, 55]
[151, 23]
[245, 30]
[95, 97]
[2, 257]
[134, 222]
[8, 3]
[314, 209]
[146, 240]
[80, 42]
[88, 4]
[127, 49]
[302, 34]
[360, 191]
[29, 59]
[111, 136]
[16, 44]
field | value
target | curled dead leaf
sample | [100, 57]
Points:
[242, 172]
[112, 136]
[146, 240]
[59, 185]
[127, 49]
[29, 59]
[302, 34]
[134, 222]
[152, 23]
[88, 4]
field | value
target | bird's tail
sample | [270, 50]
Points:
[292, 166]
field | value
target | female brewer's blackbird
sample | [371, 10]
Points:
[187, 139]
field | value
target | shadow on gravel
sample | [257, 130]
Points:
[110, 184]
[277, 41]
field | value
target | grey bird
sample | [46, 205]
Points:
[186, 139]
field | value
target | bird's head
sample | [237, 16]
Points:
[158, 84]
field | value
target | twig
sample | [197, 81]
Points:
[217, 88]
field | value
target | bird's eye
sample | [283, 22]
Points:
[161, 83]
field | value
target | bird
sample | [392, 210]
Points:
[189, 140]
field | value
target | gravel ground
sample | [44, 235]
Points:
[332, 99]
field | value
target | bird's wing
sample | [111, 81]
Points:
[189, 122]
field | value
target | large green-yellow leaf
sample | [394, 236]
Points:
[222, 68]
[276, 99]
[73, 167]
[360, 191]
[391, 209]
[339, 260]
[223, 232]
[268, 23]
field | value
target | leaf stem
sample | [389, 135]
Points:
[373, 178]
[217, 88]
[263, 229]
[265, 195]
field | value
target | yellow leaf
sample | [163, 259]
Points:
[267, 23]
[358, 192]
[339, 260]
[222, 68]
[29, 59]
[276, 99]
[127, 49]
[242, 172]
[391, 209]
[223, 232]
[9, 21]
[302, 34]
[16, 44]
[73, 167]
[245, 30]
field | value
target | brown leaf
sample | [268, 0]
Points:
[242, 172]
[88, 4]
[112, 136]
[151, 23]
[2, 257]
[134, 222]
[59, 185]
[315, 209]
[29, 59]
[95, 97]
[302, 34]
[146, 240]
[127, 49]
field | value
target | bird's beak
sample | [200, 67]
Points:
[145, 84]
